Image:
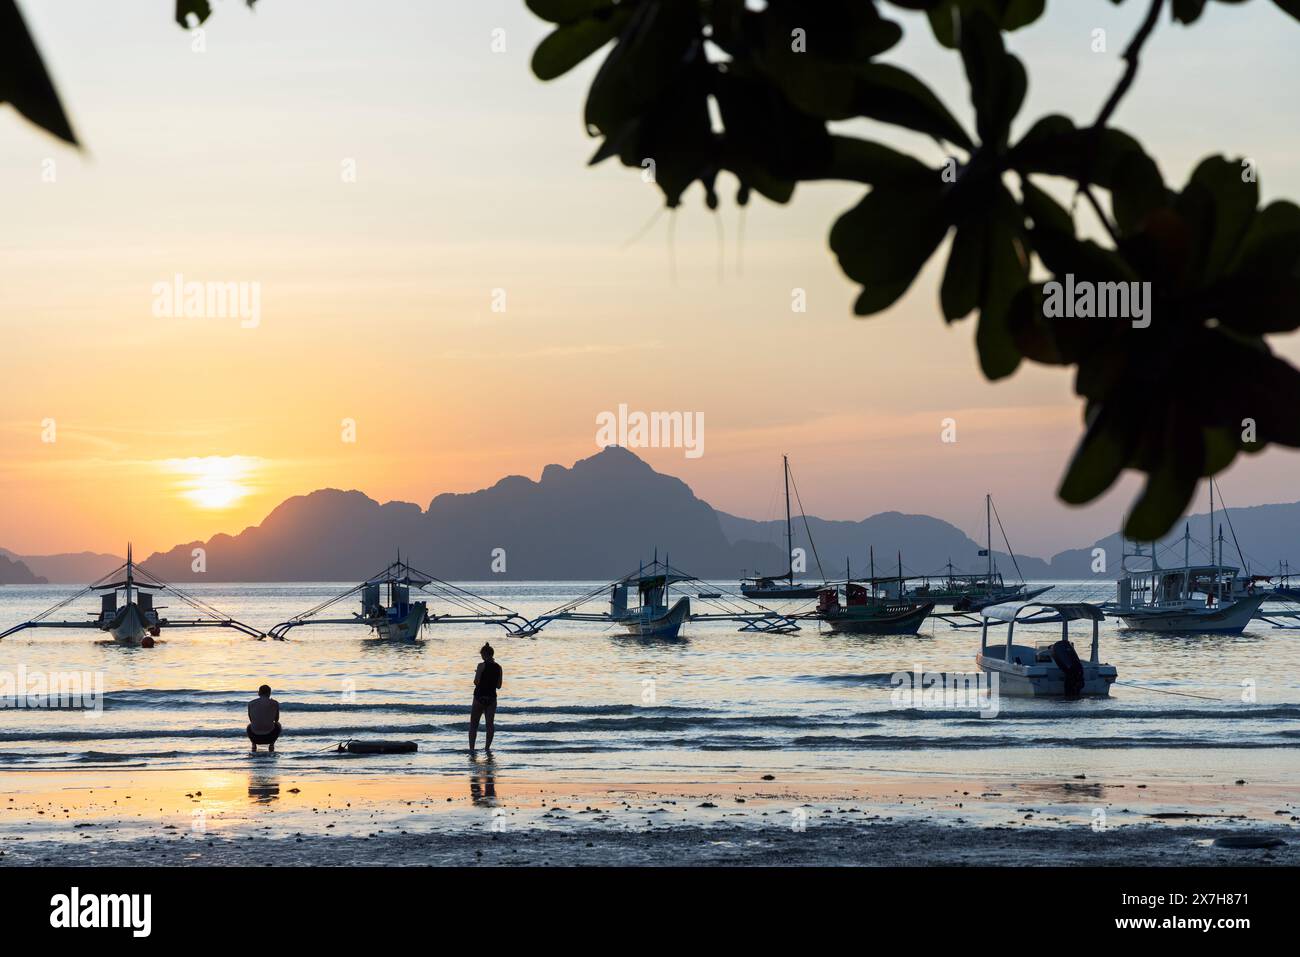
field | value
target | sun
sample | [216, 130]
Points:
[213, 482]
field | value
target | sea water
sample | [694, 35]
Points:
[584, 701]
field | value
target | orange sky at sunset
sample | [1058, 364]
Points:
[376, 295]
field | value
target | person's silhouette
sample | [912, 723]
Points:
[263, 719]
[487, 679]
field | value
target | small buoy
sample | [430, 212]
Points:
[146, 642]
[378, 747]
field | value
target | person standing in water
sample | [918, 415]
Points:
[487, 679]
[263, 719]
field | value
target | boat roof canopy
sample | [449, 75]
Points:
[1180, 569]
[1061, 611]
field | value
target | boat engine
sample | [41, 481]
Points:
[1067, 659]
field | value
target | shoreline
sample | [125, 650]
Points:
[279, 817]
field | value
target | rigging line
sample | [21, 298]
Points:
[1183, 694]
[1014, 563]
[806, 529]
[654, 218]
[1245, 565]
[84, 591]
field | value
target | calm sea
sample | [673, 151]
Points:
[583, 700]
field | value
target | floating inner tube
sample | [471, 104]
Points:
[378, 747]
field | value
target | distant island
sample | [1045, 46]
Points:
[14, 571]
[595, 521]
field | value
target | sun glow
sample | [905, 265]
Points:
[214, 482]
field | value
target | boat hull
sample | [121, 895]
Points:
[902, 619]
[1045, 679]
[406, 628]
[781, 593]
[129, 626]
[1230, 619]
[980, 602]
[658, 623]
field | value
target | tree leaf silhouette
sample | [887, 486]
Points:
[24, 81]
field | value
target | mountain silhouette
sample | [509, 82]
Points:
[599, 519]
[16, 572]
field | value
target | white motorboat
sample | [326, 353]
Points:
[1045, 668]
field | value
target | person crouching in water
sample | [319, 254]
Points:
[487, 679]
[263, 719]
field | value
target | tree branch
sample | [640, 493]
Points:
[1131, 55]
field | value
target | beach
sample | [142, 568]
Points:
[487, 816]
[723, 746]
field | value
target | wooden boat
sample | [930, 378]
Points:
[872, 606]
[388, 609]
[652, 617]
[127, 610]
[1188, 599]
[1044, 669]
[862, 615]
[655, 614]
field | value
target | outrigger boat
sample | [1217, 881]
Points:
[652, 616]
[128, 613]
[1044, 669]
[952, 586]
[387, 608]
[783, 586]
[655, 614]
[992, 590]
[872, 606]
[1187, 599]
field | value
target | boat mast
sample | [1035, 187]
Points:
[789, 538]
[129, 576]
[988, 529]
[1213, 560]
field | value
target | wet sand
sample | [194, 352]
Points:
[269, 815]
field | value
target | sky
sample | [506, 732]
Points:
[386, 181]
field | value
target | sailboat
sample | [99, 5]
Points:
[127, 612]
[782, 586]
[993, 590]
[1188, 599]
[872, 606]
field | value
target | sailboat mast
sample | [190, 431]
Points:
[988, 532]
[789, 538]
